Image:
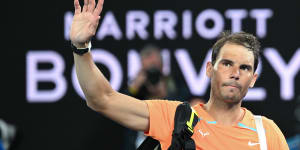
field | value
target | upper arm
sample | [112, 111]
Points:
[161, 125]
[125, 110]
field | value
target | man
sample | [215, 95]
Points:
[150, 83]
[223, 123]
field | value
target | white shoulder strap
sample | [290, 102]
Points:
[261, 132]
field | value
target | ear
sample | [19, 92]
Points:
[253, 80]
[209, 69]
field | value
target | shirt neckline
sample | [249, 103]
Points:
[209, 119]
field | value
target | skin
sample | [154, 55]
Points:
[224, 103]
[231, 76]
[127, 111]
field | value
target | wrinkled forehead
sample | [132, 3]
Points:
[236, 53]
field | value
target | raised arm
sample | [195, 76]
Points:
[126, 110]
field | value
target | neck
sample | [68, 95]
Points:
[223, 112]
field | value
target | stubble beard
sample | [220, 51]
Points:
[228, 96]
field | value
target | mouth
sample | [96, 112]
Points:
[232, 85]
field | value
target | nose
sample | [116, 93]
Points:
[235, 73]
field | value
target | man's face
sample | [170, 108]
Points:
[153, 60]
[232, 74]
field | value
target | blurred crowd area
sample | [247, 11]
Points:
[149, 83]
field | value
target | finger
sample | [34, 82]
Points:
[91, 6]
[77, 7]
[85, 6]
[99, 7]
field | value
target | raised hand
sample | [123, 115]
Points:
[85, 22]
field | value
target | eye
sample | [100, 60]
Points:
[245, 68]
[227, 64]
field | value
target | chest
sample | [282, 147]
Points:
[211, 136]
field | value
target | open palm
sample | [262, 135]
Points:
[85, 21]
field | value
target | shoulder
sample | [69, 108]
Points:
[162, 103]
[272, 129]
[270, 125]
[161, 116]
[162, 107]
[275, 137]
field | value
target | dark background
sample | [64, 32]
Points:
[69, 123]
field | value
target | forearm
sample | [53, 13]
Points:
[100, 96]
[94, 85]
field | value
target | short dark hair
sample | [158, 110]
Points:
[241, 38]
[149, 49]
